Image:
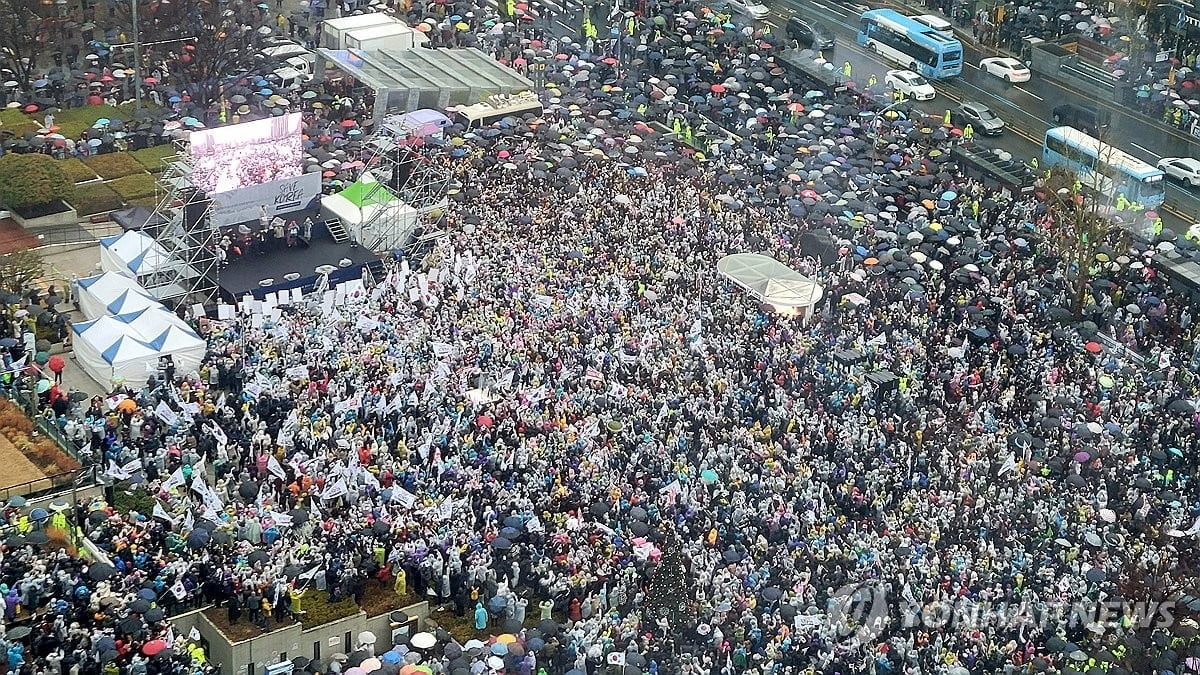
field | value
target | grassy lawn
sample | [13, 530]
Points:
[151, 158]
[75, 121]
[136, 186]
[76, 170]
[114, 165]
[93, 198]
[16, 122]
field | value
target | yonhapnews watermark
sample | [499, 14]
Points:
[859, 614]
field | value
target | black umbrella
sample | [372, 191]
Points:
[154, 615]
[140, 606]
[548, 627]
[248, 490]
[258, 557]
[101, 571]
[19, 632]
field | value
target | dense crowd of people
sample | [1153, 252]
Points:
[564, 425]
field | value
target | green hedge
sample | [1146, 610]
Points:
[151, 158]
[92, 198]
[32, 179]
[16, 122]
[114, 165]
[76, 170]
[137, 186]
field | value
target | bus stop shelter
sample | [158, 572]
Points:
[408, 80]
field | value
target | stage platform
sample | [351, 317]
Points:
[243, 274]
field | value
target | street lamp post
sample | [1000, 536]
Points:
[137, 57]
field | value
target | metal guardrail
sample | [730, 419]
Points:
[39, 486]
[78, 234]
[43, 424]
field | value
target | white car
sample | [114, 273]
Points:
[1184, 169]
[751, 8]
[910, 83]
[1005, 68]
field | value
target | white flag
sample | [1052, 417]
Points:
[445, 509]
[116, 472]
[194, 634]
[164, 412]
[1010, 464]
[178, 590]
[335, 489]
[189, 521]
[404, 497]
[160, 512]
[175, 480]
[275, 469]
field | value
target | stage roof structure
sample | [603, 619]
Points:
[426, 78]
[770, 281]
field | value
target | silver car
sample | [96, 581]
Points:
[980, 117]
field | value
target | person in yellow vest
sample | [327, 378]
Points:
[1033, 163]
[946, 119]
[872, 80]
[847, 69]
[968, 133]
[1122, 202]
[401, 585]
[677, 127]
[296, 595]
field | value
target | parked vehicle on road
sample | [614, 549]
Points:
[980, 117]
[1184, 169]
[910, 83]
[1005, 68]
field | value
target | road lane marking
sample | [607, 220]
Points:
[1147, 151]
[1030, 93]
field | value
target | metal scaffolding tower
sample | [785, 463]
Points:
[187, 241]
[409, 187]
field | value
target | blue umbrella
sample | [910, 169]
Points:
[8, 342]
[949, 195]
[148, 595]
[499, 648]
[501, 543]
[38, 514]
[174, 99]
[390, 657]
[265, 92]
[41, 83]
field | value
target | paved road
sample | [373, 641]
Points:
[1025, 107]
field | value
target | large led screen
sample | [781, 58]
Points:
[247, 154]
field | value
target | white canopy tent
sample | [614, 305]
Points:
[96, 293]
[126, 348]
[185, 347]
[116, 251]
[771, 282]
[132, 301]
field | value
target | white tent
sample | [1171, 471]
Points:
[153, 259]
[184, 346]
[771, 282]
[96, 293]
[147, 322]
[132, 301]
[110, 354]
[118, 250]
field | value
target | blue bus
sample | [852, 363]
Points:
[1104, 169]
[912, 44]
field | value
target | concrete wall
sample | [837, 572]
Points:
[249, 657]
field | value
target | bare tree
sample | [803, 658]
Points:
[201, 43]
[24, 30]
[1083, 222]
